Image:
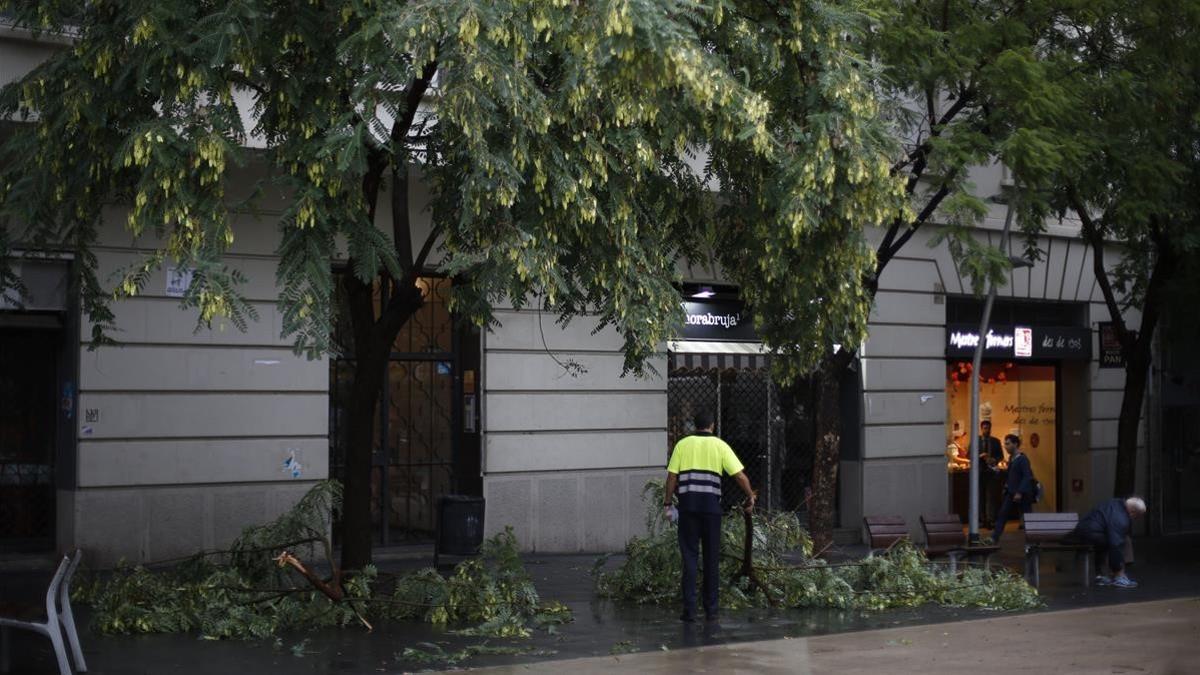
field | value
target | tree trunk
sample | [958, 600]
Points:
[373, 341]
[1137, 374]
[360, 437]
[1136, 348]
[826, 453]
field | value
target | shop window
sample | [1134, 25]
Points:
[1014, 398]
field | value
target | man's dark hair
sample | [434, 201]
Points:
[1014, 438]
[987, 422]
[703, 420]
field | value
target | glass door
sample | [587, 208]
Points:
[1036, 423]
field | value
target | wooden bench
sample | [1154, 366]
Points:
[884, 531]
[944, 537]
[1044, 533]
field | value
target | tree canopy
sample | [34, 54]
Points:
[1134, 176]
[559, 141]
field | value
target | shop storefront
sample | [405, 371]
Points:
[1026, 372]
[718, 364]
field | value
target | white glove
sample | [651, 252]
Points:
[671, 513]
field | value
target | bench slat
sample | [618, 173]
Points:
[1050, 517]
[884, 531]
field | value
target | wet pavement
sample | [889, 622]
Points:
[1160, 636]
[1166, 568]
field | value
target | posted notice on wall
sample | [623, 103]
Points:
[179, 280]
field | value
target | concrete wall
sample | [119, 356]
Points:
[566, 456]
[183, 433]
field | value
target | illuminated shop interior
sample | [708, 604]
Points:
[1016, 398]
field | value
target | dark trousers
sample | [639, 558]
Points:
[698, 530]
[1009, 509]
[1114, 556]
[987, 498]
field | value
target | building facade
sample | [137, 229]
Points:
[174, 440]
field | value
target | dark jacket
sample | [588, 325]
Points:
[1020, 477]
[990, 446]
[1109, 520]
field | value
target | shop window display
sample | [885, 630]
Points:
[1014, 398]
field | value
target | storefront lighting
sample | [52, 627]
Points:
[704, 292]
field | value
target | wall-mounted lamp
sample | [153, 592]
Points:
[704, 292]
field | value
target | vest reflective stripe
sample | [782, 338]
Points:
[699, 461]
[699, 477]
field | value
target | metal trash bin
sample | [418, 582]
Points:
[459, 526]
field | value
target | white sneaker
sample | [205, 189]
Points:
[1103, 580]
[1124, 582]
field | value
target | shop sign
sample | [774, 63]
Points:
[1036, 342]
[717, 320]
[1110, 347]
[1023, 337]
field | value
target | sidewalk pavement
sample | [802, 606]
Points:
[1166, 568]
[1161, 637]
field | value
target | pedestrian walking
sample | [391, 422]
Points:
[1018, 487]
[1107, 527]
[694, 477]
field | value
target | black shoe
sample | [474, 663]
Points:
[712, 619]
[687, 618]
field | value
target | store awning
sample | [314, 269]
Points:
[700, 355]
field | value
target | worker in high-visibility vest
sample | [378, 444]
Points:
[694, 475]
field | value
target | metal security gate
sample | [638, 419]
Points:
[419, 436]
[738, 390]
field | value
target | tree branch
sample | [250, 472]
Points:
[922, 217]
[401, 225]
[401, 219]
[919, 158]
[430, 240]
[1091, 232]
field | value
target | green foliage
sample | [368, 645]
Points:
[900, 578]
[1136, 170]
[300, 528]
[214, 600]
[970, 84]
[243, 593]
[492, 590]
[563, 145]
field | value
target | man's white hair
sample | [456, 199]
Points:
[1135, 505]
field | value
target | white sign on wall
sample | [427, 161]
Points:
[1024, 342]
[179, 280]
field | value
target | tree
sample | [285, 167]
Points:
[556, 139]
[965, 84]
[1136, 179]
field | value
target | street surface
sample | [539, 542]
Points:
[1161, 637]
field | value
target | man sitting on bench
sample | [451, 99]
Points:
[1107, 527]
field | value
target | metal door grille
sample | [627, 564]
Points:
[415, 440]
[745, 403]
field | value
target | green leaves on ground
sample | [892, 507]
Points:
[902, 577]
[242, 593]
